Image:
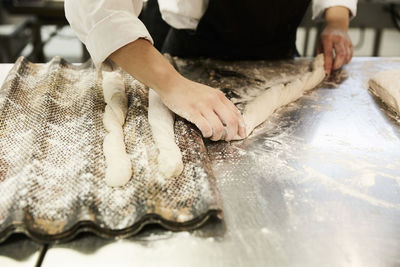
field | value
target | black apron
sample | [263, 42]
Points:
[241, 29]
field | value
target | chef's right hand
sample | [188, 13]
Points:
[206, 107]
[216, 117]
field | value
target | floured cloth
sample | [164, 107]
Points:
[52, 164]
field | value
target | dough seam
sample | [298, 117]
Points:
[118, 164]
[261, 107]
[161, 121]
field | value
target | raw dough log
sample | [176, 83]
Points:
[112, 83]
[118, 163]
[161, 121]
[386, 86]
[119, 170]
[110, 121]
[317, 74]
[260, 108]
[119, 105]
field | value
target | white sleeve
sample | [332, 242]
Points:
[183, 14]
[319, 7]
[104, 26]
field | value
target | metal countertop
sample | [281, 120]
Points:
[317, 185]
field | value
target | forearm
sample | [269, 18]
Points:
[206, 107]
[146, 64]
[337, 17]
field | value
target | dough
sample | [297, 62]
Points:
[112, 83]
[260, 108]
[110, 122]
[118, 163]
[119, 105]
[118, 171]
[161, 121]
[317, 75]
[386, 86]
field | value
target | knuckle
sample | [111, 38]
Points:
[219, 129]
[206, 131]
[219, 93]
[191, 116]
[211, 99]
[215, 138]
[196, 106]
[232, 121]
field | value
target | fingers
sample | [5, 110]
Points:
[341, 55]
[350, 53]
[208, 108]
[218, 130]
[319, 47]
[344, 53]
[229, 119]
[203, 125]
[242, 128]
[239, 126]
[327, 46]
[224, 118]
[335, 41]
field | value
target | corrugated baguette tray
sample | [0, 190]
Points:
[52, 165]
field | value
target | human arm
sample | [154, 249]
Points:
[334, 40]
[204, 106]
[110, 27]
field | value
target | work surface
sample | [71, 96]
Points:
[317, 185]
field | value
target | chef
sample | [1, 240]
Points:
[227, 29]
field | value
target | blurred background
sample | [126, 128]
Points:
[37, 29]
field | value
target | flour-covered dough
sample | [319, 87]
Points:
[118, 163]
[110, 122]
[161, 121]
[118, 171]
[386, 85]
[112, 83]
[119, 104]
[260, 108]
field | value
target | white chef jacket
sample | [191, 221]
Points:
[104, 26]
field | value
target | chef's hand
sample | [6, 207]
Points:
[334, 41]
[206, 107]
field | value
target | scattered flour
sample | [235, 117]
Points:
[332, 184]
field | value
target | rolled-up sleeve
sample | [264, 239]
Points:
[104, 26]
[319, 7]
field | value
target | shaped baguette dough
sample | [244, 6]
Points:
[119, 105]
[386, 86]
[161, 121]
[118, 163]
[261, 107]
[112, 83]
[118, 171]
[110, 121]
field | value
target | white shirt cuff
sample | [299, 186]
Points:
[113, 32]
[319, 7]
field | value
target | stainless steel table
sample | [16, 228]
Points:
[317, 185]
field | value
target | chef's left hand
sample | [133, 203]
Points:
[334, 41]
